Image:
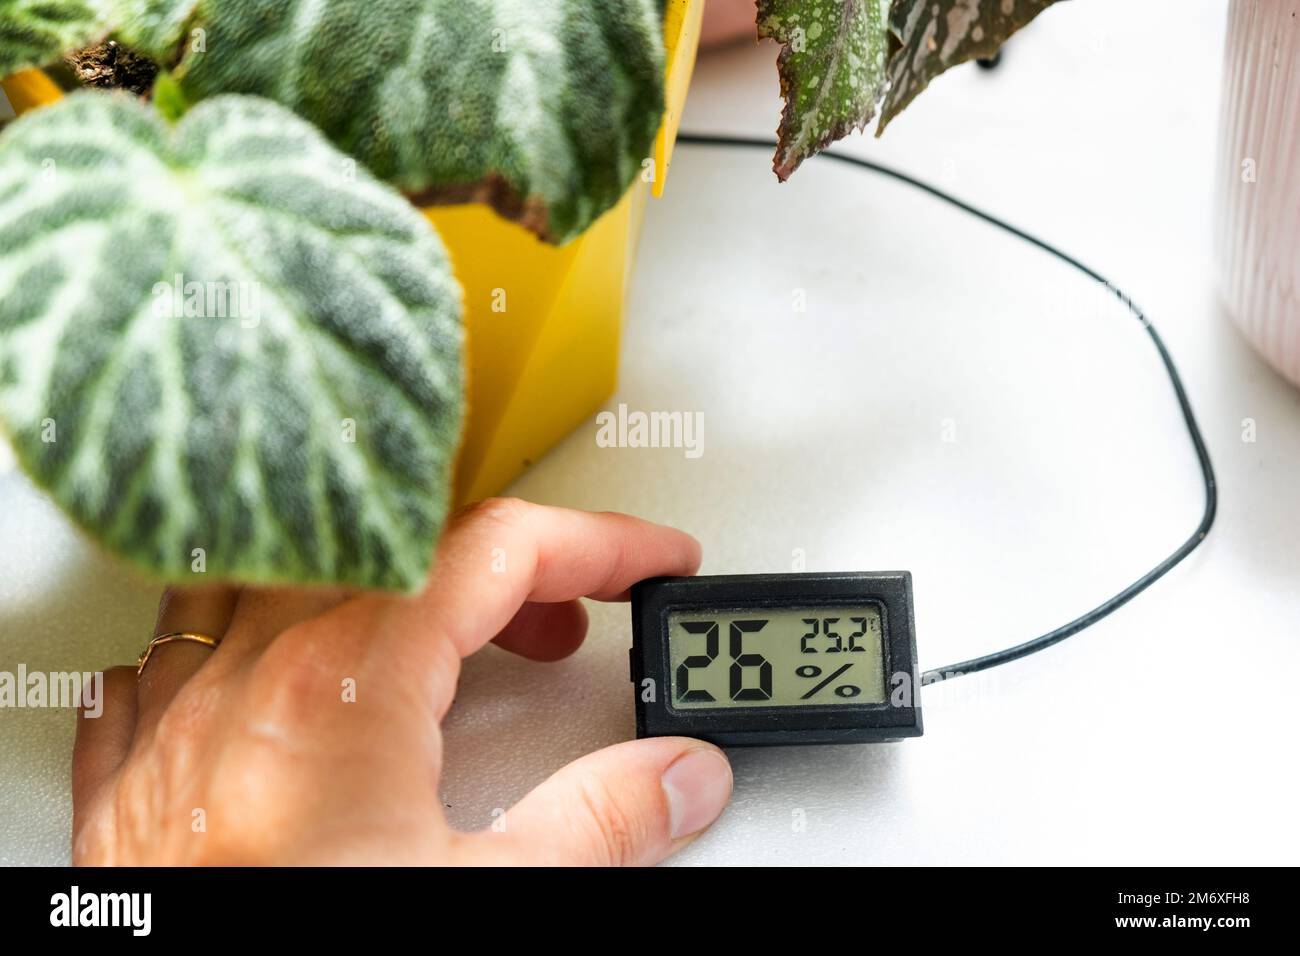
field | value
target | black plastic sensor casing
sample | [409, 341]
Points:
[890, 591]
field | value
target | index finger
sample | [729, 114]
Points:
[504, 552]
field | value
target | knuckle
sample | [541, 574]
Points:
[511, 512]
[616, 833]
[84, 852]
[296, 677]
[89, 845]
[137, 807]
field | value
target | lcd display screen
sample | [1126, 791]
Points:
[776, 657]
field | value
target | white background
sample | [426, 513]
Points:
[1165, 734]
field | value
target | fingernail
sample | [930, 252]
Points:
[698, 785]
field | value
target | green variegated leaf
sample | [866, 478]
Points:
[832, 66]
[543, 108]
[932, 35]
[37, 32]
[156, 28]
[223, 345]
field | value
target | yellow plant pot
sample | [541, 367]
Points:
[542, 322]
[29, 89]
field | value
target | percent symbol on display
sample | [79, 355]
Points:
[811, 671]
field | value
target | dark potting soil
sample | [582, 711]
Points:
[109, 66]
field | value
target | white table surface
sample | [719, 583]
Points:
[1165, 734]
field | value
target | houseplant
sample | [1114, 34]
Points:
[228, 342]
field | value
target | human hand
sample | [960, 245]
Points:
[252, 752]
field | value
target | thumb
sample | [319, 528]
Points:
[628, 805]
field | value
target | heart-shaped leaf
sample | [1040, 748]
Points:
[37, 32]
[223, 346]
[544, 108]
[933, 35]
[153, 28]
[832, 66]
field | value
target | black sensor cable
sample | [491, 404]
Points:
[1198, 441]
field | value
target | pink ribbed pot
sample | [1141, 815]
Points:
[1258, 213]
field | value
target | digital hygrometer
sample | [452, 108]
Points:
[829, 658]
[776, 658]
